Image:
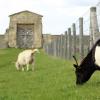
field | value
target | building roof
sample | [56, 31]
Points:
[25, 11]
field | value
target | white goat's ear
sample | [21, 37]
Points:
[35, 50]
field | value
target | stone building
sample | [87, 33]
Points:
[25, 30]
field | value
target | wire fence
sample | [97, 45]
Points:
[79, 38]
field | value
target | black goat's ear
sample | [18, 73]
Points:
[75, 65]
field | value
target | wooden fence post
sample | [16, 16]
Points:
[81, 48]
[94, 30]
[69, 46]
[55, 47]
[52, 47]
[74, 38]
[59, 46]
[60, 49]
[62, 45]
[65, 45]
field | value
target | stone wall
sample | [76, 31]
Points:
[3, 43]
[48, 38]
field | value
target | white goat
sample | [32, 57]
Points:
[26, 58]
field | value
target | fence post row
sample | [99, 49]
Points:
[64, 46]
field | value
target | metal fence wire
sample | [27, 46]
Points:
[79, 38]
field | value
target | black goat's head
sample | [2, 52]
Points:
[77, 72]
[83, 71]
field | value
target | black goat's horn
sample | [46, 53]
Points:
[75, 60]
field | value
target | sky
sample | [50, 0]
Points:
[58, 15]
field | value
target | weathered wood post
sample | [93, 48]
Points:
[63, 42]
[62, 46]
[94, 29]
[49, 49]
[65, 45]
[52, 48]
[47, 45]
[46, 48]
[60, 49]
[69, 46]
[81, 48]
[74, 38]
[55, 47]
[58, 46]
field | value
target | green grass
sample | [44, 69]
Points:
[53, 79]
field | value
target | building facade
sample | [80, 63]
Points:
[25, 30]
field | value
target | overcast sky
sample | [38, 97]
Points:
[58, 15]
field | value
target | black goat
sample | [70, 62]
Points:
[89, 64]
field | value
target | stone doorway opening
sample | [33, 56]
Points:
[25, 35]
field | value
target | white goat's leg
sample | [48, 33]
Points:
[33, 66]
[22, 68]
[17, 66]
[27, 67]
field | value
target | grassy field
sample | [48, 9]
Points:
[53, 79]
